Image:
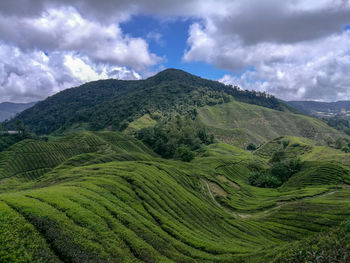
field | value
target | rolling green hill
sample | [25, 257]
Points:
[240, 123]
[115, 103]
[105, 197]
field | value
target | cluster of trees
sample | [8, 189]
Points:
[280, 171]
[338, 143]
[176, 137]
[339, 123]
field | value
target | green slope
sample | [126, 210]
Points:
[30, 159]
[106, 198]
[304, 148]
[240, 123]
[115, 103]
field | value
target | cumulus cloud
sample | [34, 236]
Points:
[66, 30]
[34, 75]
[298, 49]
[47, 50]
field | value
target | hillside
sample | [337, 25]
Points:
[240, 123]
[105, 197]
[115, 103]
[322, 109]
[9, 109]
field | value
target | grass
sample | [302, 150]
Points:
[239, 124]
[143, 122]
[105, 197]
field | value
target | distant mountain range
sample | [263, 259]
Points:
[322, 109]
[10, 109]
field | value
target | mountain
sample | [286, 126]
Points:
[236, 116]
[322, 109]
[10, 109]
[115, 103]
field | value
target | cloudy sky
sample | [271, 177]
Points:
[293, 49]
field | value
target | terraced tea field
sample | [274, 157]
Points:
[105, 197]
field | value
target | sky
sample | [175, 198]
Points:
[293, 49]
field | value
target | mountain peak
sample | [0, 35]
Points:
[173, 74]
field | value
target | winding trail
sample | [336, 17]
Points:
[269, 210]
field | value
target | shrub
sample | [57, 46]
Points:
[278, 173]
[184, 153]
[264, 179]
[251, 147]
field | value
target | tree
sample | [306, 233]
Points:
[251, 147]
[329, 141]
[21, 129]
[184, 153]
[339, 143]
[2, 128]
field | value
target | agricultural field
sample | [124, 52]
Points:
[106, 197]
[239, 123]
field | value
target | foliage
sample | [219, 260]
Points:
[184, 153]
[116, 103]
[176, 132]
[279, 172]
[340, 123]
[251, 147]
[106, 197]
[239, 124]
[328, 246]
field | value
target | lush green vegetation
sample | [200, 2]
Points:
[177, 136]
[116, 103]
[328, 246]
[339, 123]
[240, 124]
[279, 172]
[106, 197]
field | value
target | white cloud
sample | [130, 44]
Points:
[298, 49]
[33, 75]
[314, 71]
[66, 30]
[78, 50]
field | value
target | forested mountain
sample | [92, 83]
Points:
[322, 109]
[10, 109]
[115, 103]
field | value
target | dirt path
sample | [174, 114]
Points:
[211, 195]
[234, 214]
[267, 211]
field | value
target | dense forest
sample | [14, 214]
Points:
[115, 103]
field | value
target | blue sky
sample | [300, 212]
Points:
[172, 43]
